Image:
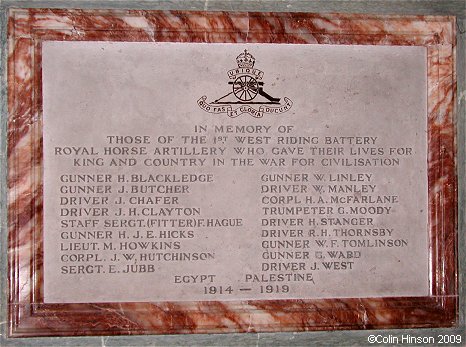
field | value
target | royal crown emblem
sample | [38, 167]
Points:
[245, 59]
[247, 89]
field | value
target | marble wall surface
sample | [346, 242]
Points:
[27, 29]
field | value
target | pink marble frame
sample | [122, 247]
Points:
[29, 316]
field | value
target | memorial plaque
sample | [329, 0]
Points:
[176, 172]
[231, 172]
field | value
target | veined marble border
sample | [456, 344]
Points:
[29, 316]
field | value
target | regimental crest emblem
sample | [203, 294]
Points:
[246, 93]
